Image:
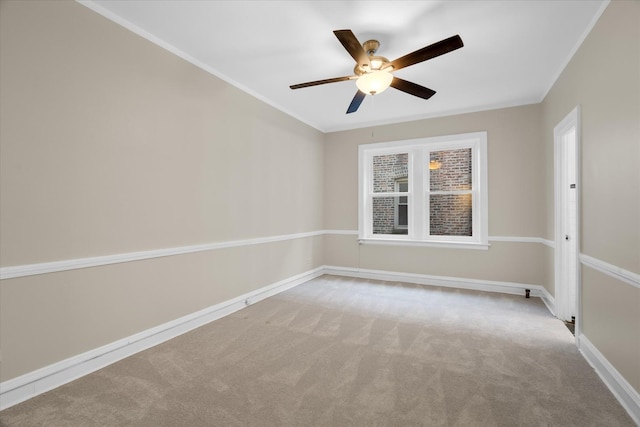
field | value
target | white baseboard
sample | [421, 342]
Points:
[548, 300]
[450, 282]
[42, 380]
[628, 397]
[37, 382]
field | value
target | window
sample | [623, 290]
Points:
[430, 191]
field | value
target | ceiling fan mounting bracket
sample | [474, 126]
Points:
[375, 62]
[371, 46]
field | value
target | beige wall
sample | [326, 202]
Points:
[110, 145]
[517, 201]
[48, 318]
[604, 79]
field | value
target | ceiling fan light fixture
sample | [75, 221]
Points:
[374, 82]
[373, 73]
[379, 62]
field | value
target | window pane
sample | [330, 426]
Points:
[450, 170]
[387, 170]
[389, 217]
[450, 215]
[402, 217]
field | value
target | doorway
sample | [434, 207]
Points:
[567, 273]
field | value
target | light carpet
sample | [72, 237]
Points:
[337, 351]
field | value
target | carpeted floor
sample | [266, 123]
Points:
[349, 352]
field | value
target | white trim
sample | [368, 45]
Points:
[520, 102]
[511, 239]
[449, 282]
[418, 150]
[548, 300]
[426, 243]
[343, 232]
[567, 285]
[460, 245]
[579, 42]
[74, 264]
[445, 281]
[37, 382]
[618, 273]
[516, 239]
[621, 389]
[181, 54]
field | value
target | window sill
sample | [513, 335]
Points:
[423, 243]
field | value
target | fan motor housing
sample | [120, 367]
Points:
[377, 62]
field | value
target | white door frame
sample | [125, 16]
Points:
[567, 252]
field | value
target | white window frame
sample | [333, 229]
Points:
[418, 197]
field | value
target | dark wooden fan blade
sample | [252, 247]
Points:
[321, 82]
[412, 88]
[428, 52]
[355, 102]
[353, 46]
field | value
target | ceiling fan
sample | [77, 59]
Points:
[373, 73]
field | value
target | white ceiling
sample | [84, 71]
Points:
[513, 53]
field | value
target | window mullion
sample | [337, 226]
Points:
[426, 157]
[417, 201]
[451, 192]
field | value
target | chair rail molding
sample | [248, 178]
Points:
[611, 270]
[73, 264]
[11, 272]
